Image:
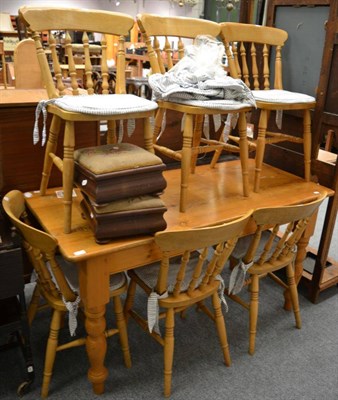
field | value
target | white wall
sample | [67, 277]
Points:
[131, 7]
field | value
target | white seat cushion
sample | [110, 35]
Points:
[106, 104]
[281, 96]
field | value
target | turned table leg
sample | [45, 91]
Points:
[94, 292]
[96, 346]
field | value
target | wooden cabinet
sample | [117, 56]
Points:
[325, 118]
[20, 161]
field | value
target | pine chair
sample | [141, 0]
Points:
[178, 283]
[65, 104]
[251, 51]
[57, 283]
[156, 29]
[268, 251]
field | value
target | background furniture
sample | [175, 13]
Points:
[321, 78]
[26, 67]
[20, 161]
[3, 64]
[14, 329]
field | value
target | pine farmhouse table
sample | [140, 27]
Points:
[214, 196]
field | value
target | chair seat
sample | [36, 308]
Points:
[69, 269]
[214, 104]
[282, 96]
[149, 273]
[115, 157]
[109, 104]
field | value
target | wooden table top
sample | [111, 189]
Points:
[214, 197]
[21, 97]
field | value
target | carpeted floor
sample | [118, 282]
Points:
[289, 364]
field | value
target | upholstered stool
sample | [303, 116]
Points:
[118, 171]
[125, 217]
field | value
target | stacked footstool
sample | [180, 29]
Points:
[121, 186]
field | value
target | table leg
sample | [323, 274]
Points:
[94, 292]
[96, 346]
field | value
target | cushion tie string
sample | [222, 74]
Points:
[279, 116]
[221, 292]
[72, 307]
[237, 277]
[41, 107]
[153, 311]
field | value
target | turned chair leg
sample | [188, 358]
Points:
[262, 126]
[51, 352]
[221, 329]
[293, 294]
[68, 174]
[168, 351]
[186, 160]
[253, 312]
[122, 327]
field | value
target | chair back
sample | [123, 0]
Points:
[40, 248]
[254, 53]
[59, 56]
[197, 274]
[162, 33]
[286, 227]
[26, 66]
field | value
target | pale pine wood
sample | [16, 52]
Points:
[251, 45]
[26, 66]
[4, 64]
[40, 19]
[269, 258]
[218, 240]
[153, 28]
[210, 202]
[41, 248]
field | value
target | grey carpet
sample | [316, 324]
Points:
[289, 364]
